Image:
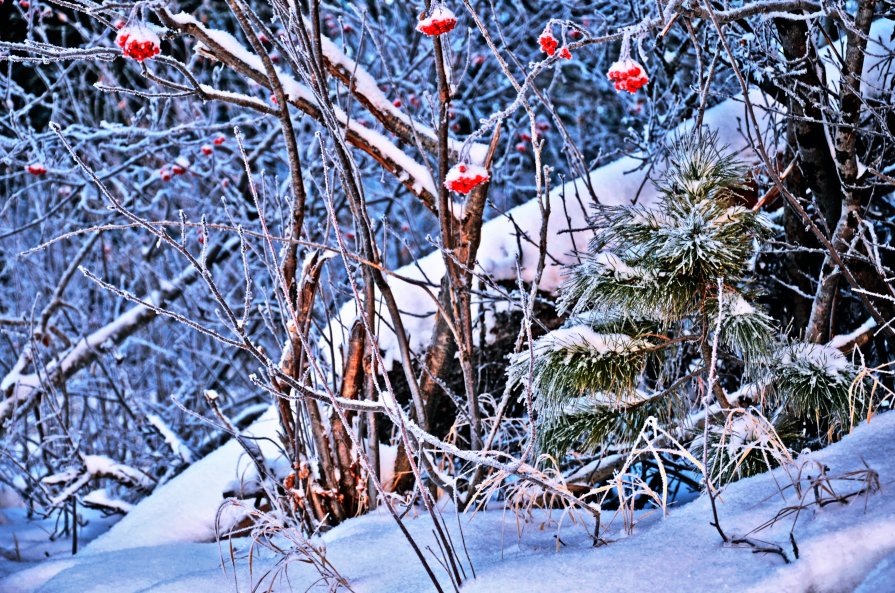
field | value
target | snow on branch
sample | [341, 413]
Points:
[366, 89]
[20, 389]
[224, 47]
[96, 466]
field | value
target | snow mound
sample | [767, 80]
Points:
[184, 509]
[842, 547]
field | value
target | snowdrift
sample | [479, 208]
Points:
[842, 546]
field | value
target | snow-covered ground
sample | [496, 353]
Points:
[842, 547]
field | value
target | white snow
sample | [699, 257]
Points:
[843, 340]
[613, 263]
[739, 306]
[747, 431]
[439, 13]
[177, 445]
[100, 465]
[819, 357]
[100, 498]
[842, 547]
[468, 170]
[184, 509]
[583, 336]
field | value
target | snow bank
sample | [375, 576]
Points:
[184, 509]
[843, 547]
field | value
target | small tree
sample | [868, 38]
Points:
[662, 319]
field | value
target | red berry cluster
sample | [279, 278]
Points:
[37, 169]
[442, 20]
[627, 75]
[464, 178]
[548, 43]
[138, 42]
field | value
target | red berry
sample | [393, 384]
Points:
[478, 59]
[565, 54]
[273, 99]
[575, 34]
[263, 38]
[165, 174]
[439, 22]
[178, 170]
[548, 43]
[25, 4]
[525, 136]
[627, 75]
[207, 149]
[138, 42]
[521, 147]
[119, 24]
[463, 178]
[219, 140]
[396, 102]
[36, 169]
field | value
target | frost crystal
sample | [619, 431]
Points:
[818, 357]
